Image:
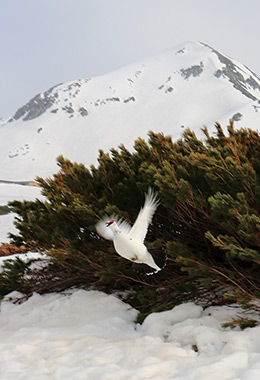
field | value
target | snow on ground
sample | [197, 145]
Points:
[93, 336]
[26, 257]
[6, 226]
[90, 335]
[11, 192]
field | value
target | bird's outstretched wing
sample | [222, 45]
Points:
[107, 233]
[140, 227]
[102, 229]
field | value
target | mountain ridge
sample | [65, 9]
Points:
[190, 85]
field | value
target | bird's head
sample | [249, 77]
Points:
[113, 226]
[110, 222]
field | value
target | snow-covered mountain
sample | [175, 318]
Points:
[190, 85]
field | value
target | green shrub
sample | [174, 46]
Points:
[208, 219]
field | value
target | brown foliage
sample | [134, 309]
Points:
[10, 249]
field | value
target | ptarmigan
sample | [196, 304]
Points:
[129, 241]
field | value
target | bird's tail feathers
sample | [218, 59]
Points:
[159, 256]
[144, 269]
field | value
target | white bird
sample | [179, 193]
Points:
[129, 241]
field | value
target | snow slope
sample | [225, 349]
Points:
[11, 192]
[90, 335]
[190, 85]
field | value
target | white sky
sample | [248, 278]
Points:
[46, 42]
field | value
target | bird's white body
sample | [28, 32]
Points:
[129, 241]
[132, 249]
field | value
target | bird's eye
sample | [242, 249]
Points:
[109, 223]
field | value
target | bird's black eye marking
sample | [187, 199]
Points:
[109, 223]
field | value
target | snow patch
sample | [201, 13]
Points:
[90, 335]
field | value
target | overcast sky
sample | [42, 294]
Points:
[46, 42]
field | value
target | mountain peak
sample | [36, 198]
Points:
[190, 85]
[190, 59]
